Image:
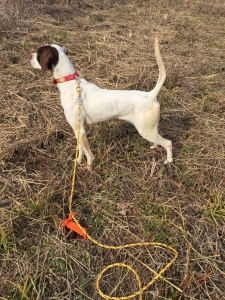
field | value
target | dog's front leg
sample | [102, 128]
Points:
[84, 148]
[81, 154]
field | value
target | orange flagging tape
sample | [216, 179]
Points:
[69, 224]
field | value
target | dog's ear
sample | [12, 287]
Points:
[47, 57]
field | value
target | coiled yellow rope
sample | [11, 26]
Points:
[154, 244]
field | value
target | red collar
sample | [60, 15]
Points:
[66, 78]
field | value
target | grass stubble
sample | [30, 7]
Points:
[130, 196]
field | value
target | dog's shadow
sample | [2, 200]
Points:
[176, 127]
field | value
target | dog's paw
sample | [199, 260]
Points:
[89, 167]
[154, 146]
[79, 161]
[168, 160]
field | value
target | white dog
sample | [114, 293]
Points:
[140, 108]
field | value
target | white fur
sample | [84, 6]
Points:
[140, 108]
[34, 62]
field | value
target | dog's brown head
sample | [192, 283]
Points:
[47, 57]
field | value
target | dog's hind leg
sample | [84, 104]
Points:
[167, 144]
[147, 126]
[157, 139]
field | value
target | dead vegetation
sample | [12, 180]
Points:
[130, 196]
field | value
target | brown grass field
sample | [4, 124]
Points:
[129, 196]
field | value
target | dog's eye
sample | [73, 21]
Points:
[65, 50]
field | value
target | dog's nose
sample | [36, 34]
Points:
[30, 56]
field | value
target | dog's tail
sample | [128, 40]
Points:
[162, 70]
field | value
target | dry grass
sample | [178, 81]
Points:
[111, 44]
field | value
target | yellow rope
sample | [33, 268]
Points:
[75, 161]
[77, 146]
[155, 244]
